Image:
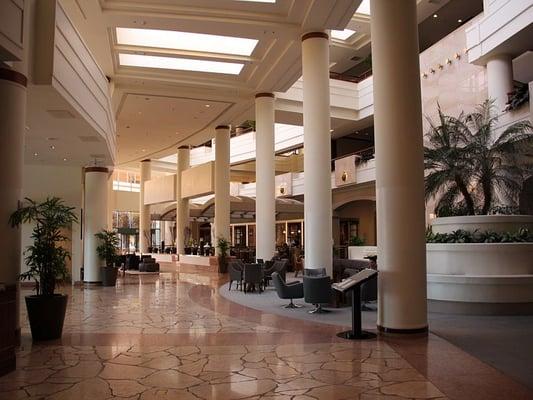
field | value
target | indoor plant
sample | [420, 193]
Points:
[47, 262]
[223, 247]
[474, 164]
[107, 251]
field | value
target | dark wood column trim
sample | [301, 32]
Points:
[264, 94]
[222, 127]
[13, 76]
[311, 35]
[96, 169]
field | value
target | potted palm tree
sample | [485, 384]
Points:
[107, 251]
[473, 165]
[47, 262]
[223, 247]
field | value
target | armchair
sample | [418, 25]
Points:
[293, 290]
[317, 291]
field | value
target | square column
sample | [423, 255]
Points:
[182, 205]
[145, 224]
[222, 175]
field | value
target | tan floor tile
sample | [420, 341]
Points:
[170, 379]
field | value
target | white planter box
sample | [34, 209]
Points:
[480, 258]
[496, 223]
[360, 252]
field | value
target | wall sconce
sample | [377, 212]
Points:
[440, 66]
[448, 61]
[344, 176]
[282, 190]
[424, 75]
[432, 70]
[457, 56]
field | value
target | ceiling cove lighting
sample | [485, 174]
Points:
[342, 35]
[183, 64]
[364, 8]
[186, 41]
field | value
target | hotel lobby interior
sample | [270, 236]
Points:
[266, 199]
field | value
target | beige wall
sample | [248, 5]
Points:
[42, 181]
[365, 212]
[124, 201]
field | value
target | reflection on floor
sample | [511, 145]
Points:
[172, 337]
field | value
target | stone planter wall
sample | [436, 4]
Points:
[496, 223]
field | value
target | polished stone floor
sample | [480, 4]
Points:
[172, 336]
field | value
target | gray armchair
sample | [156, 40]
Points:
[279, 266]
[252, 276]
[235, 274]
[293, 290]
[317, 291]
[148, 264]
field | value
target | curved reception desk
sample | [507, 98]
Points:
[198, 263]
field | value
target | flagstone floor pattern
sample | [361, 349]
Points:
[173, 337]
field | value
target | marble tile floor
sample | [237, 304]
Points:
[173, 337]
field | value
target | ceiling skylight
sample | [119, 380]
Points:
[186, 41]
[342, 35]
[364, 8]
[183, 64]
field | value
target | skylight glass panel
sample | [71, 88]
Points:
[364, 8]
[186, 41]
[342, 35]
[183, 64]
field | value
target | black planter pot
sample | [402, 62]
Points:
[194, 251]
[46, 315]
[109, 276]
[187, 250]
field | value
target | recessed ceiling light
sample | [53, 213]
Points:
[27, 128]
[52, 147]
[331, 130]
[460, 20]
[342, 35]
[364, 8]
[143, 150]
[435, 16]
[208, 105]
[64, 159]
[175, 40]
[35, 154]
[184, 64]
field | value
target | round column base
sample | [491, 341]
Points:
[424, 330]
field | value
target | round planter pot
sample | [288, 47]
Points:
[46, 315]
[109, 276]
[495, 223]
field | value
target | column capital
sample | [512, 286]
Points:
[146, 160]
[222, 127]
[311, 35]
[265, 94]
[184, 148]
[96, 169]
[7, 74]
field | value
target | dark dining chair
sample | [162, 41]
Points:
[252, 277]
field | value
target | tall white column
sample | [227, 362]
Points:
[95, 219]
[399, 167]
[317, 147]
[182, 205]
[265, 170]
[500, 79]
[12, 129]
[222, 174]
[145, 223]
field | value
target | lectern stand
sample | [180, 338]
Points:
[353, 284]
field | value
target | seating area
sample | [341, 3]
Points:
[314, 287]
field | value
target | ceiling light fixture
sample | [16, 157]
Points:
[183, 64]
[208, 105]
[435, 16]
[52, 147]
[345, 34]
[64, 159]
[190, 41]
[35, 154]
[460, 20]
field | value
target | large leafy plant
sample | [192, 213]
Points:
[472, 165]
[46, 257]
[107, 249]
